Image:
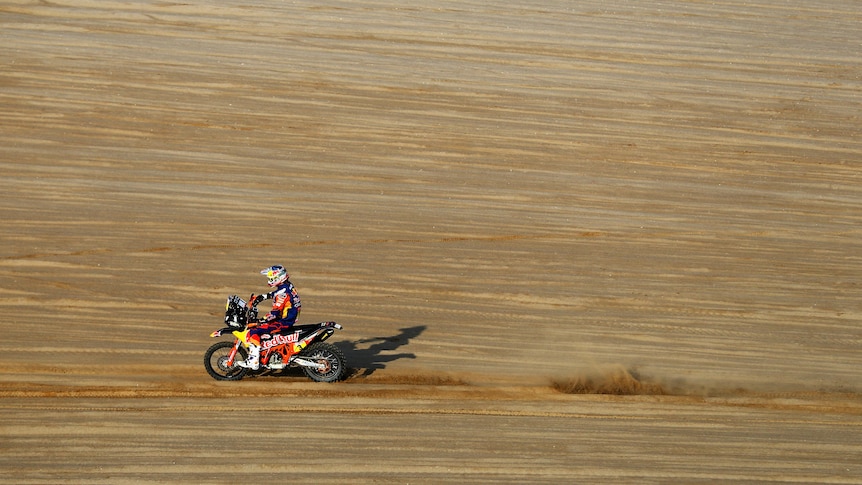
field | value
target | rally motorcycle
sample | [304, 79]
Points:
[299, 346]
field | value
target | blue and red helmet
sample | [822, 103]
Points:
[275, 275]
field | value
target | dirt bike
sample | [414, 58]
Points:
[298, 346]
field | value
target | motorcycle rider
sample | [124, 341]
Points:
[286, 307]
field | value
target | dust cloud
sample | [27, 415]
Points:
[613, 380]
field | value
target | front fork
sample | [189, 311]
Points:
[233, 352]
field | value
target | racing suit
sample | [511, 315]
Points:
[285, 309]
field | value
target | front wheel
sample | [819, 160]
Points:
[215, 362]
[331, 358]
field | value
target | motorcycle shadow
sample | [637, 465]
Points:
[364, 361]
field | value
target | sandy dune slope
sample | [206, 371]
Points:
[569, 242]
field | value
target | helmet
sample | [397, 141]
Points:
[275, 275]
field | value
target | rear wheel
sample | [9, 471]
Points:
[331, 358]
[215, 362]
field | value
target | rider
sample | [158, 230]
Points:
[285, 309]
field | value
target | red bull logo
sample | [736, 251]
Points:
[279, 339]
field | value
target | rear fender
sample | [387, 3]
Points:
[326, 334]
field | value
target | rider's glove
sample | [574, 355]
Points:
[256, 300]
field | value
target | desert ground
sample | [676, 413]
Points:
[569, 242]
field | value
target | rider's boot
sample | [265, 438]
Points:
[253, 360]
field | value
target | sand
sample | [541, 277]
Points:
[569, 242]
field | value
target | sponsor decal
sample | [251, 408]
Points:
[279, 339]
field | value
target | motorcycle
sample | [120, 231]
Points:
[298, 346]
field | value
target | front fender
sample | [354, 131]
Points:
[220, 332]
